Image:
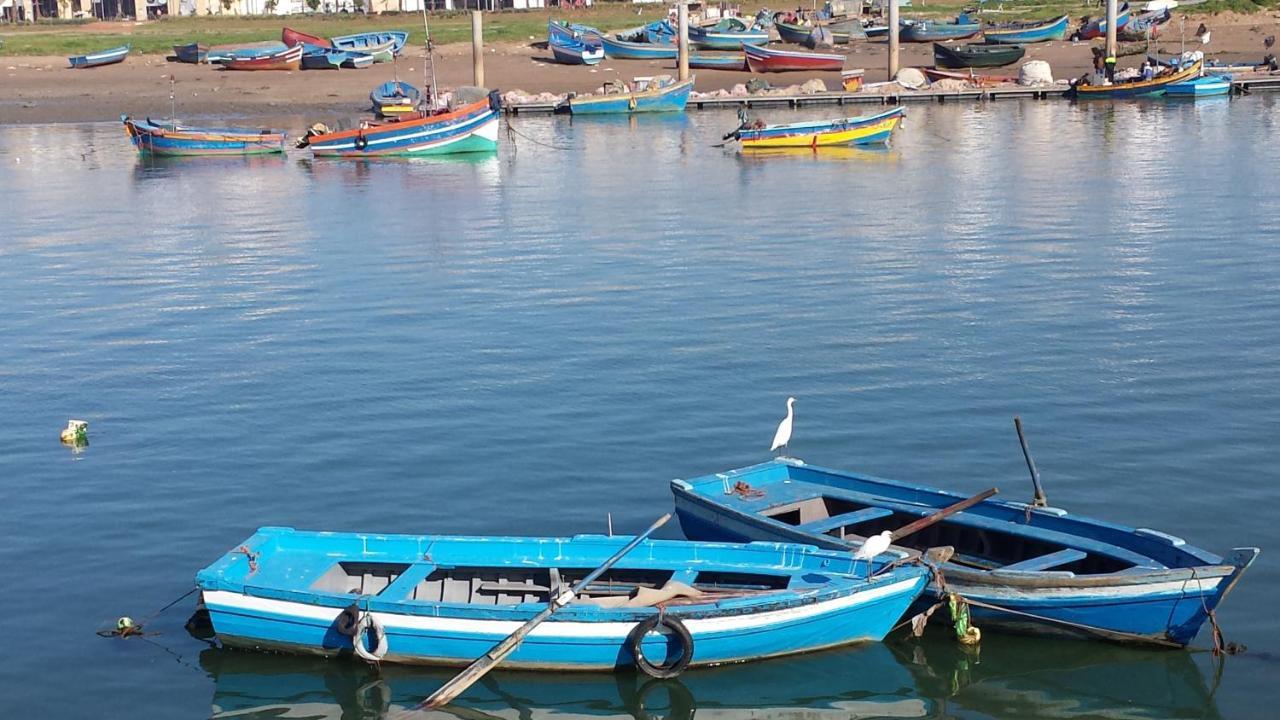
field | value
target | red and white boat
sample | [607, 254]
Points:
[290, 59]
[765, 59]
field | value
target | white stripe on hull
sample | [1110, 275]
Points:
[235, 602]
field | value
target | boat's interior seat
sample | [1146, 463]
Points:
[846, 519]
[1044, 562]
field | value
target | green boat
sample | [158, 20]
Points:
[975, 55]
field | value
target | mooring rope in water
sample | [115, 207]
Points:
[512, 133]
[128, 627]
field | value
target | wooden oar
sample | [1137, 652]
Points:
[1039, 500]
[928, 520]
[489, 660]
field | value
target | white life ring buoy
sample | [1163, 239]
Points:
[379, 651]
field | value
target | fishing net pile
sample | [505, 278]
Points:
[1035, 72]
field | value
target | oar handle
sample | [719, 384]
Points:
[928, 520]
[486, 662]
[1039, 500]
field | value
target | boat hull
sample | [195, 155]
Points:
[932, 32]
[1156, 605]
[193, 53]
[291, 37]
[288, 60]
[710, 61]
[831, 609]
[671, 98]
[1142, 88]
[725, 40]
[472, 128]
[1022, 34]
[153, 139]
[976, 56]
[1206, 86]
[869, 130]
[763, 59]
[365, 42]
[98, 59]
[575, 52]
[635, 51]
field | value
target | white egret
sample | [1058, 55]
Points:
[872, 547]
[783, 436]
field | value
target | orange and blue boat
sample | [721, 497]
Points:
[469, 128]
[160, 138]
[866, 130]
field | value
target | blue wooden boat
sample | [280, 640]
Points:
[1022, 568]
[160, 138]
[469, 128]
[717, 61]
[98, 59]
[650, 96]
[572, 51]
[226, 53]
[712, 39]
[322, 58]
[395, 97]
[193, 53]
[634, 51]
[1020, 33]
[569, 31]
[368, 40]
[933, 30]
[443, 600]
[1203, 86]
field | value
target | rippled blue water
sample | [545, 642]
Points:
[530, 341]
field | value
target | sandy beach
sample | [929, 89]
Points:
[43, 89]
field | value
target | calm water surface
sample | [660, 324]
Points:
[529, 341]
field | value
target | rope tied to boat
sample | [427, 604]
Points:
[253, 557]
[744, 490]
[513, 133]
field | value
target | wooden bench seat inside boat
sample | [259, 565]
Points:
[1044, 562]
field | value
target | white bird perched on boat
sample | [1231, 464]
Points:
[872, 547]
[783, 435]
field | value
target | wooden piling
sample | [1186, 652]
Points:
[894, 38]
[684, 41]
[477, 49]
[1111, 28]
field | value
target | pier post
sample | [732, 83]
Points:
[683, 51]
[477, 48]
[1111, 28]
[893, 37]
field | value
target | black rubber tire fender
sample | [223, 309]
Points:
[348, 620]
[635, 642]
[361, 142]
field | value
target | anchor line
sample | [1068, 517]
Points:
[512, 133]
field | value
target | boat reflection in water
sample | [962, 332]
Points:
[1029, 677]
[858, 682]
[1005, 677]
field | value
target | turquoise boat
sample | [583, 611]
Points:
[1203, 86]
[712, 39]
[652, 96]
[1022, 567]
[933, 30]
[1021, 33]
[622, 50]
[446, 600]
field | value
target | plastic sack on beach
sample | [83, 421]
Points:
[1035, 72]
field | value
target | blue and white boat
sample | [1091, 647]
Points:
[1023, 568]
[574, 51]
[713, 39]
[445, 600]
[366, 42]
[569, 31]
[623, 50]
[643, 96]
[98, 59]
[1203, 86]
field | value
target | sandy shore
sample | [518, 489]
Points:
[42, 89]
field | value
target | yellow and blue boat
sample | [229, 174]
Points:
[865, 130]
